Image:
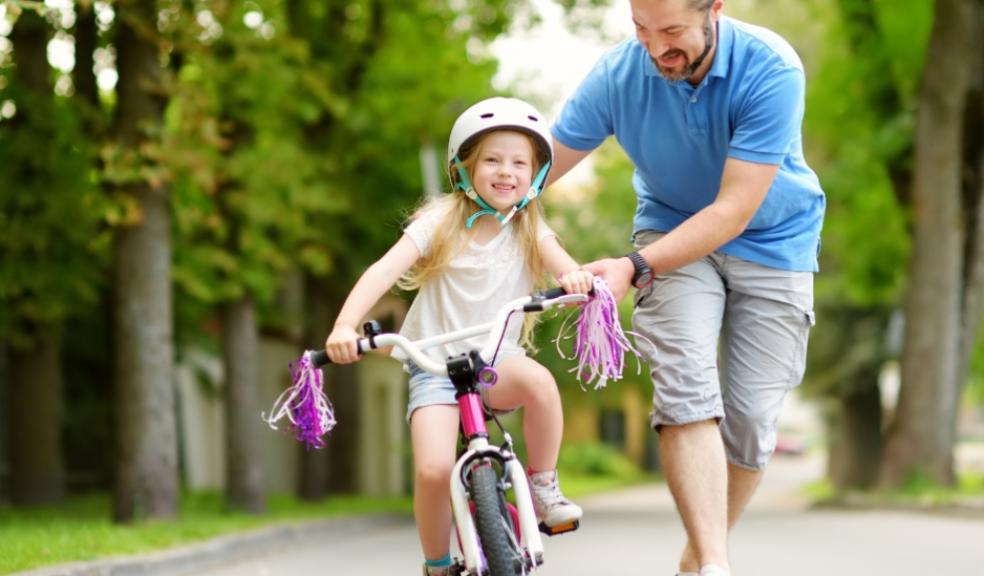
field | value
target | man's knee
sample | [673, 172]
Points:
[750, 438]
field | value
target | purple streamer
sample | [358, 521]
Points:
[305, 405]
[599, 342]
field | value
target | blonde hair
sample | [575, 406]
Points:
[451, 235]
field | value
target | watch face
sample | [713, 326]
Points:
[643, 279]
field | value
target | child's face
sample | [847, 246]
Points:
[503, 169]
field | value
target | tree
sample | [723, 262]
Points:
[858, 128]
[146, 435]
[941, 320]
[50, 214]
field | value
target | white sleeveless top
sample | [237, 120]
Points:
[470, 290]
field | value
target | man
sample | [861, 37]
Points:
[727, 225]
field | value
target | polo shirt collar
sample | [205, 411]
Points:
[726, 41]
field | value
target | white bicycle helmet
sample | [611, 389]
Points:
[491, 114]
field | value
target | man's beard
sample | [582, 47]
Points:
[689, 68]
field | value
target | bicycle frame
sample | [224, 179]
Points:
[466, 372]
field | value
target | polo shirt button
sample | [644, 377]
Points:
[693, 99]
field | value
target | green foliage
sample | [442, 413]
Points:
[244, 185]
[595, 459]
[859, 130]
[51, 214]
[860, 145]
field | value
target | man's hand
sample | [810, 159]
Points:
[617, 272]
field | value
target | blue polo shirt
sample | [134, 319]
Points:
[749, 106]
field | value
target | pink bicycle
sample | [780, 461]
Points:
[495, 537]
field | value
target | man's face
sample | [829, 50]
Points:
[677, 37]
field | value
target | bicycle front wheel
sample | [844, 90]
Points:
[493, 521]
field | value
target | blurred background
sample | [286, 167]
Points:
[189, 188]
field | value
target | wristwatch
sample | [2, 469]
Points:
[643, 275]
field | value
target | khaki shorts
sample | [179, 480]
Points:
[730, 340]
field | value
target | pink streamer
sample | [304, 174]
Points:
[305, 405]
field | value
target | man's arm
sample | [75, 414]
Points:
[565, 158]
[743, 188]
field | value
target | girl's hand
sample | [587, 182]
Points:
[617, 272]
[341, 345]
[578, 281]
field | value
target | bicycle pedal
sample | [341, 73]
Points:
[560, 528]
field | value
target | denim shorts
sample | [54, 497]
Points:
[730, 339]
[426, 389]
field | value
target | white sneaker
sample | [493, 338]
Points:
[713, 570]
[550, 505]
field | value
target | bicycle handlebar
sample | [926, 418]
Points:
[533, 303]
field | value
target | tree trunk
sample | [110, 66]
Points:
[334, 468]
[35, 406]
[146, 483]
[37, 473]
[973, 204]
[920, 441]
[29, 38]
[343, 449]
[240, 346]
[313, 477]
[86, 38]
[4, 432]
[856, 443]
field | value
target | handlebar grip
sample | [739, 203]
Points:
[320, 358]
[553, 293]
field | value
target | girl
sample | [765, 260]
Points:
[468, 253]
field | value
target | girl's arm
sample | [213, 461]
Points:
[564, 268]
[374, 282]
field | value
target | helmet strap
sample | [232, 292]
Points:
[464, 184]
[533, 192]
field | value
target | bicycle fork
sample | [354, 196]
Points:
[531, 544]
[473, 426]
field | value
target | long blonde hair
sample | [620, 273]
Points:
[451, 235]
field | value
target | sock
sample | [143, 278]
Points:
[713, 570]
[439, 563]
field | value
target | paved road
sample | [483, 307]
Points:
[636, 532]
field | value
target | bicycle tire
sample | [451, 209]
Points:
[494, 523]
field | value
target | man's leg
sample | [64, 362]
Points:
[694, 464]
[681, 314]
[742, 484]
[762, 356]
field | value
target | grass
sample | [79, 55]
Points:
[81, 529]
[919, 491]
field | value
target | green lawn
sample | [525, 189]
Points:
[81, 529]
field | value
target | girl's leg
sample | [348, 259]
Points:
[434, 433]
[525, 382]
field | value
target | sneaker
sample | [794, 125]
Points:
[713, 570]
[550, 505]
[432, 571]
